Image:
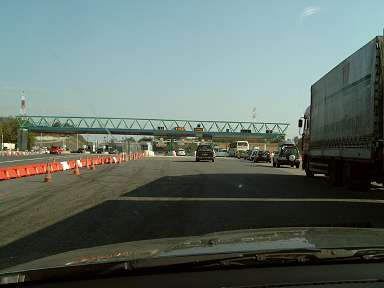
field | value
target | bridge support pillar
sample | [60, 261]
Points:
[22, 139]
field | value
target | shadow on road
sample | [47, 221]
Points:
[247, 185]
[263, 165]
[124, 219]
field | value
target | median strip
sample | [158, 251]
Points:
[220, 199]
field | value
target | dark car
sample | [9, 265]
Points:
[253, 155]
[263, 156]
[205, 152]
[287, 155]
[100, 150]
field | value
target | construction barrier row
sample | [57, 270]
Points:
[52, 167]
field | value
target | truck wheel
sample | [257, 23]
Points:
[335, 172]
[353, 179]
[309, 173]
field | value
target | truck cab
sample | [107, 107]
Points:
[304, 123]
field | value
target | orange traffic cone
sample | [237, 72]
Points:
[48, 176]
[17, 173]
[7, 176]
[77, 170]
[89, 164]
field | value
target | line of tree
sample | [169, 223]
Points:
[8, 130]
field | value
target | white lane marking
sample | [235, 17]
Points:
[220, 199]
[18, 160]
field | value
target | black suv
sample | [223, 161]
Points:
[205, 152]
[287, 155]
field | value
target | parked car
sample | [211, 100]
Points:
[113, 151]
[263, 156]
[222, 153]
[253, 154]
[205, 152]
[287, 155]
[44, 150]
[55, 150]
[181, 152]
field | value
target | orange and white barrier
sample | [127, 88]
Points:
[7, 173]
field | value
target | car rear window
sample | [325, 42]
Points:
[204, 147]
[290, 151]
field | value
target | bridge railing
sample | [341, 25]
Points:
[61, 123]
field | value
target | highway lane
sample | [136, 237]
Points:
[169, 197]
[40, 158]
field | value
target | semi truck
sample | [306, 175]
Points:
[343, 126]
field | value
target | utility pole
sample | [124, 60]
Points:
[77, 142]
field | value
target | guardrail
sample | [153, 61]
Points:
[18, 153]
[8, 173]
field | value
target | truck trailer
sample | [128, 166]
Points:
[343, 126]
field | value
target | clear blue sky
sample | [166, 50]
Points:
[211, 59]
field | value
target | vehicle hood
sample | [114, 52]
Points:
[254, 240]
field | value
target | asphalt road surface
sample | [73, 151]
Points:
[9, 161]
[168, 197]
